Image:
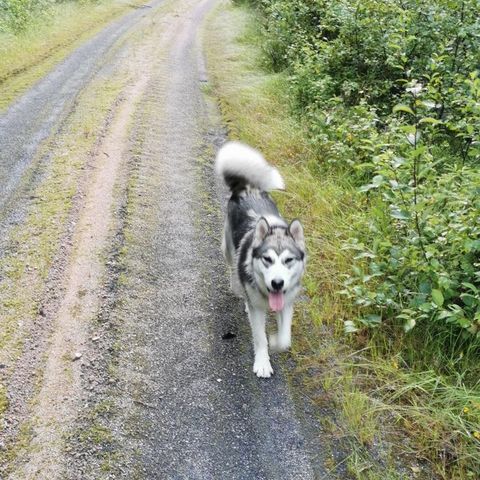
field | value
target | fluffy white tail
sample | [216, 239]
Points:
[241, 165]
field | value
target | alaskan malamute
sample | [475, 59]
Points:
[265, 253]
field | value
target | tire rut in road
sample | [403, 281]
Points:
[60, 393]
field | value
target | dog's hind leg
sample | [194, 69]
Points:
[282, 340]
[261, 365]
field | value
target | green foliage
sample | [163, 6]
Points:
[17, 15]
[389, 91]
[418, 260]
[358, 50]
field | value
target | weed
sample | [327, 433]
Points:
[360, 415]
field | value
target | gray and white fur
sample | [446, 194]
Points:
[265, 253]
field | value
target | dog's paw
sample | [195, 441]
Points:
[278, 344]
[262, 368]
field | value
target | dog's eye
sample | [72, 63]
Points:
[289, 260]
[267, 259]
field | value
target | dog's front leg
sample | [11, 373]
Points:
[282, 340]
[261, 365]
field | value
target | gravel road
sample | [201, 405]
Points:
[208, 416]
[39, 113]
[163, 394]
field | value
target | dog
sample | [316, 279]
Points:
[266, 255]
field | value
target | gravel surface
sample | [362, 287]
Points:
[191, 406]
[166, 373]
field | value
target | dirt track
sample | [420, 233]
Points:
[131, 377]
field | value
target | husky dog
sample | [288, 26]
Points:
[265, 253]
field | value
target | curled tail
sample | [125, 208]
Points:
[242, 166]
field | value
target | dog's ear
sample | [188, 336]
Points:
[261, 230]
[295, 229]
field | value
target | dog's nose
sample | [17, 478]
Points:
[277, 284]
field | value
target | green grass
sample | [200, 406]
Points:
[414, 417]
[3, 400]
[29, 55]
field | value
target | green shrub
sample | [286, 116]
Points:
[389, 91]
[419, 261]
[15, 15]
[358, 50]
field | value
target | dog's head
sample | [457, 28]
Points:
[278, 259]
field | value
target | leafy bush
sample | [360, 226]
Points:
[389, 91]
[423, 256]
[358, 50]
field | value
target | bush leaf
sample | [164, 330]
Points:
[437, 297]
[402, 108]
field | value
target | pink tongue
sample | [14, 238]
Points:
[276, 301]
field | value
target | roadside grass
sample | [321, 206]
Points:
[399, 421]
[27, 56]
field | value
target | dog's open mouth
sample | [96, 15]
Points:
[276, 301]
